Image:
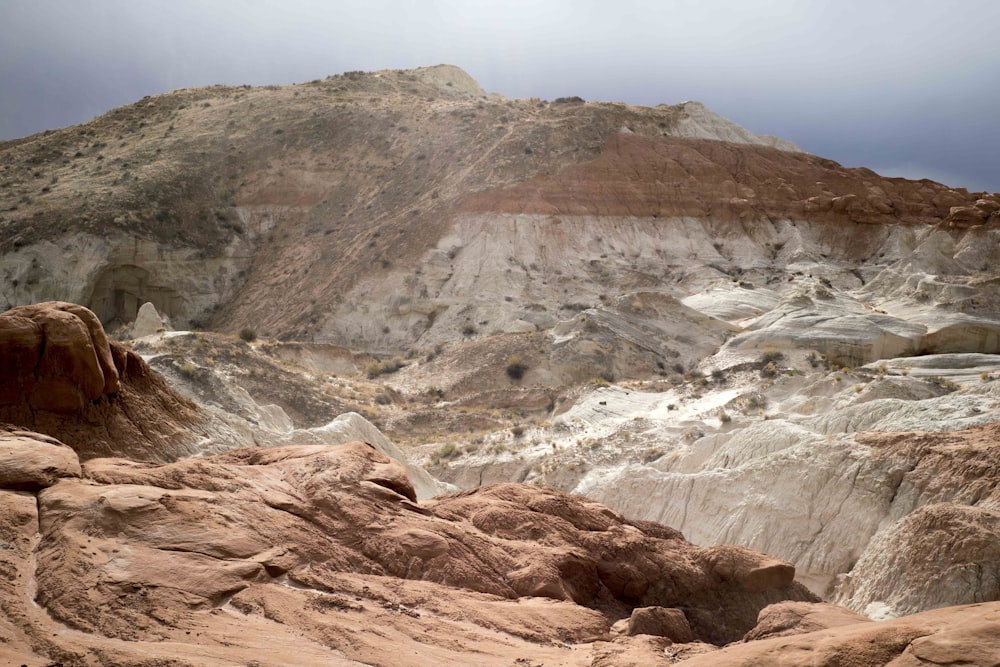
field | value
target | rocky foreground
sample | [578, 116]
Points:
[322, 554]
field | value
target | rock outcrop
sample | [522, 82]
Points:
[147, 322]
[63, 377]
[956, 635]
[313, 540]
[939, 555]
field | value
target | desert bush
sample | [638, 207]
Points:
[375, 368]
[651, 454]
[944, 383]
[247, 334]
[189, 370]
[769, 370]
[516, 367]
[447, 451]
[382, 398]
[771, 355]
[468, 329]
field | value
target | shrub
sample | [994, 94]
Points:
[771, 355]
[516, 367]
[652, 454]
[769, 370]
[247, 334]
[447, 451]
[468, 329]
[375, 368]
[189, 370]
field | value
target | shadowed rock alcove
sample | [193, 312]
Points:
[120, 290]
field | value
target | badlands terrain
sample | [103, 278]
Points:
[432, 376]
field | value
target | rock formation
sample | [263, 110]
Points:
[63, 377]
[299, 540]
[955, 635]
[147, 322]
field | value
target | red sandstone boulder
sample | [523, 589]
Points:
[61, 375]
[56, 356]
[661, 622]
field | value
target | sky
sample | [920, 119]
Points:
[904, 87]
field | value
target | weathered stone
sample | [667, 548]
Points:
[33, 461]
[147, 322]
[662, 622]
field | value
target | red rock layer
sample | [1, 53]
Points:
[647, 177]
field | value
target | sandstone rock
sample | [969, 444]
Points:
[33, 461]
[952, 635]
[147, 321]
[63, 377]
[661, 622]
[59, 357]
[813, 489]
[795, 618]
[139, 551]
[352, 426]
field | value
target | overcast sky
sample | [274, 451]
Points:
[905, 87]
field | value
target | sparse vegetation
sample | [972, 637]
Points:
[771, 356]
[247, 334]
[516, 367]
[375, 368]
[943, 383]
[652, 454]
[189, 370]
[447, 451]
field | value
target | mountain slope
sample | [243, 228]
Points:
[294, 209]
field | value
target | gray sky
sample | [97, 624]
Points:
[905, 87]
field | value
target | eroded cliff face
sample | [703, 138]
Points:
[389, 210]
